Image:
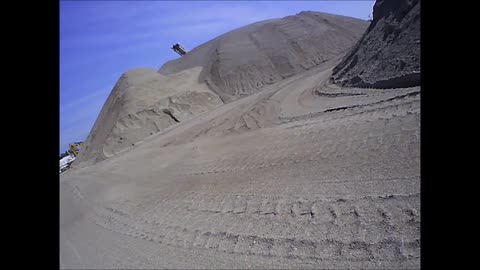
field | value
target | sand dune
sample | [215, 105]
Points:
[142, 103]
[234, 65]
[240, 62]
[297, 172]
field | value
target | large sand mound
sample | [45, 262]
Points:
[388, 55]
[242, 61]
[299, 174]
[142, 103]
[236, 64]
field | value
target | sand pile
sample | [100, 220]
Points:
[234, 65]
[388, 55]
[242, 61]
[299, 174]
[142, 103]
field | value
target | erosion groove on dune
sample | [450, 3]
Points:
[356, 106]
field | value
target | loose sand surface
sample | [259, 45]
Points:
[301, 175]
[297, 173]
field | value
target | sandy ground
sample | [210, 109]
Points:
[301, 174]
[232, 66]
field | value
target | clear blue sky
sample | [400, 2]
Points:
[100, 40]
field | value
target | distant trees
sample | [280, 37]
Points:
[64, 154]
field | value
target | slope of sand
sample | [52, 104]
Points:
[388, 54]
[243, 61]
[335, 183]
[142, 103]
[236, 64]
[299, 174]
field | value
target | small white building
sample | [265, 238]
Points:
[65, 162]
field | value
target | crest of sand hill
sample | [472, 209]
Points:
[236, 64]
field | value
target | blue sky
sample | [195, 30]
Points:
[100, 40]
